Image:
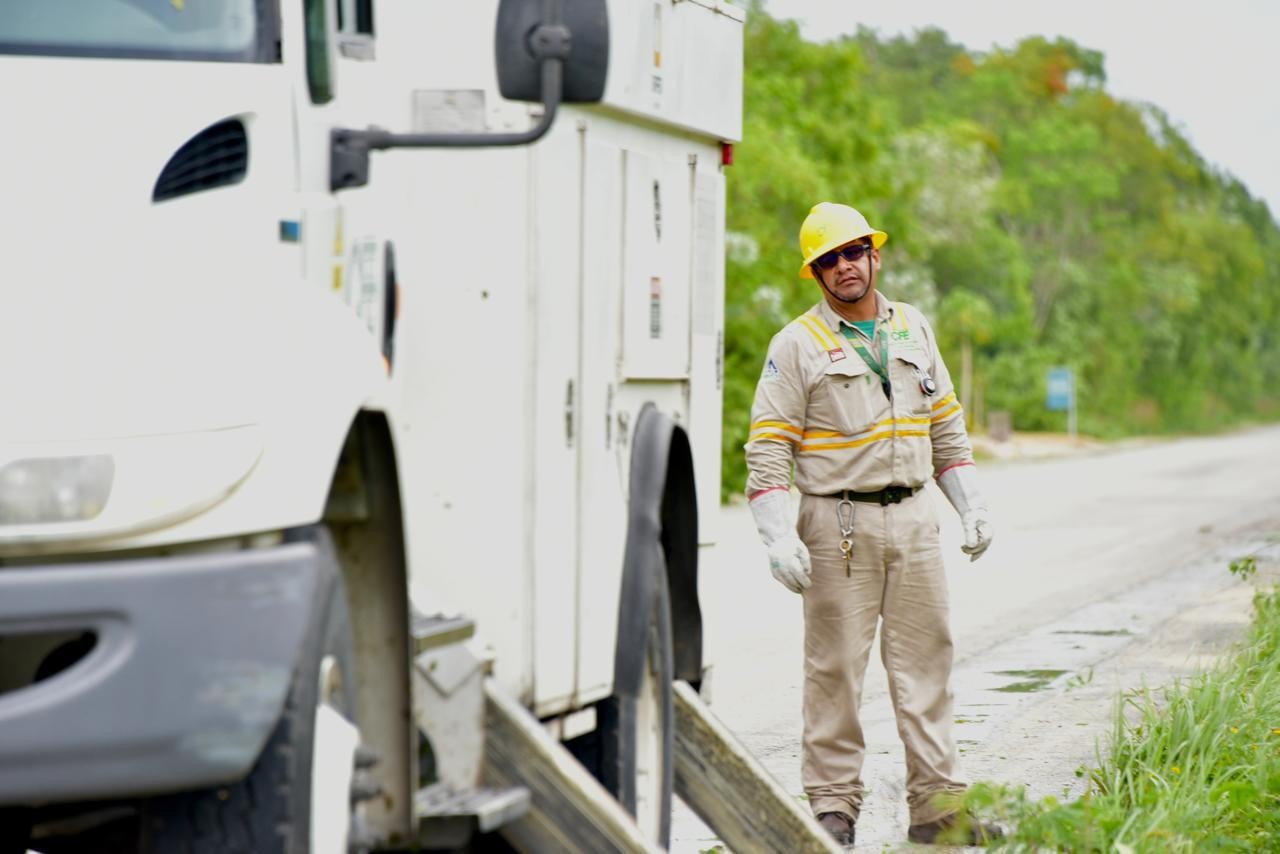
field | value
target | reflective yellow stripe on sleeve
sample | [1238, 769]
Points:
[945, 408]
[777, 430]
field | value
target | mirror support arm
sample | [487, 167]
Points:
[349, 148]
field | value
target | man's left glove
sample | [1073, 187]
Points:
[788, 556]
[960, 485]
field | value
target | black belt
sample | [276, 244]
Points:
[888, 495]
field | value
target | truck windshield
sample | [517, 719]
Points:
[225, 30]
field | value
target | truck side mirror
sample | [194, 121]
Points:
[550, 51]
[528, 32]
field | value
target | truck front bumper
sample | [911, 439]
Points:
[193, 658]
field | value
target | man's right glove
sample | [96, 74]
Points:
[960, 485]
[788, 557]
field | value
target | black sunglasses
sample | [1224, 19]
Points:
[852, 253]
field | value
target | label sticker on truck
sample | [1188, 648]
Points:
[655, 307]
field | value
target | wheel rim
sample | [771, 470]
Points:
[649, 743]
[333, 750]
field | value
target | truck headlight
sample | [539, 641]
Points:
[55, 489]
[75, 491]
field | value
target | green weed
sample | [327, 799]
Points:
[1244, 568]
[1192, 767]
[1079, 680]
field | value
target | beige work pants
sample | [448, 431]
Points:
[896, 575]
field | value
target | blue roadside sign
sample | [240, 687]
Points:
[1062, 388]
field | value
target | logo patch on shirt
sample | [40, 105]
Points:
[836, 355]
[771, 371]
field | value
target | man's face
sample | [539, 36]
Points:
[846, 272]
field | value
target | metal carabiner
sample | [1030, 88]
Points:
[844, 518]
[844, 508]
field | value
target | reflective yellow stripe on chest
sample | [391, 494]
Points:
[901, 428]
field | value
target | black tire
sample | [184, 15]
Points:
[611, 752]
[269, 812]
[15, 829]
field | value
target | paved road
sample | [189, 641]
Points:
[1109, 567]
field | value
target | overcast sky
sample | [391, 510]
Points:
[1213, 67]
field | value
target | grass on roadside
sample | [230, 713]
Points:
[1192, 767]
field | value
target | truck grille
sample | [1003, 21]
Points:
[216, 157]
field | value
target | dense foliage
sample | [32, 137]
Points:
[1037, 221]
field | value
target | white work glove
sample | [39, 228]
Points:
[788, 557]
[960, 485]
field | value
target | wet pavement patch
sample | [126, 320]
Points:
[1033, 680]
[1024, 687]
[1101, 633]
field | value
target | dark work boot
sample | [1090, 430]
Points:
[958, 828]
[839, 825]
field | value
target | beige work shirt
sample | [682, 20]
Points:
[818, 405]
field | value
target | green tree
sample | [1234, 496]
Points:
[1035, 218]
[970, 321]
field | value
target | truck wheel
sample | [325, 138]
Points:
[15, 830]
[655, 730]
[637, 732]
[298, 796]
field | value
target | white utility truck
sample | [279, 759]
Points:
[352, 414]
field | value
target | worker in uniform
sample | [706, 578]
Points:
[854, 394]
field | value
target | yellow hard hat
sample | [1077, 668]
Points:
[830, 225]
